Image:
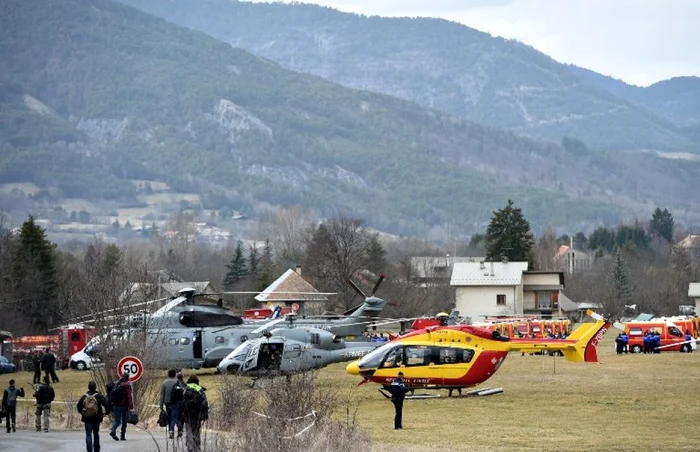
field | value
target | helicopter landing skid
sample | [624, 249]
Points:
[483, 392]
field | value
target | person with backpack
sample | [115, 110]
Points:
[121, 400]
[9, 404]
[90, 406]
[44, 395]
[170, 396]
[194, 409]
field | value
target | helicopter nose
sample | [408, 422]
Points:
[353, 368]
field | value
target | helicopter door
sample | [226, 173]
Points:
[197, 345]
[251, 359]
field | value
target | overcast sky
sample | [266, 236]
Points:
[638, 41]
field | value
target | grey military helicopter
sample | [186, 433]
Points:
[185, 333]
[286, 351]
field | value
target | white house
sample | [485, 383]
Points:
[504, 289]
[694, 293]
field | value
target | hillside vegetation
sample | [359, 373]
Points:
[100, 94]
[436, 63]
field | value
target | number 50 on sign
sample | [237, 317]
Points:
[131, 365]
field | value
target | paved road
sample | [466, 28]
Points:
[28, 441]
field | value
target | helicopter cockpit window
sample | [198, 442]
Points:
[375, 358]
[173, 341]
[219, 339]
[185, 341]
[393, 359]
[417, 355]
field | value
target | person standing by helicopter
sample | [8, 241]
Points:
[398, 394]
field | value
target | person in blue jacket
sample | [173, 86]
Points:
[647, 342]
[625, 342]
[688, 347]
[398, 394]
[656, 342]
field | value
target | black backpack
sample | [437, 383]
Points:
[176, 393]
[118, 395]
[192, 402]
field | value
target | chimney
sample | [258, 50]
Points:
[504, 259]
[492, 268]
[481, 265]
[298, 270]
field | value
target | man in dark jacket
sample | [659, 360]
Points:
[170, 396]
[44, 396]
[36, 361]
[398, 394]
[48, 363]
[122, 401]
[194, 410]
[9, 404]
[90, 406]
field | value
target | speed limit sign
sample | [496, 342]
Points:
[132, 365]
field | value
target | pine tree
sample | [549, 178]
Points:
[621, 288]
[236, 269]
[508, 234]
[112, 259]
[662, 224]
[265, 268]
[376, 255]
[253, 260]
[34, 276]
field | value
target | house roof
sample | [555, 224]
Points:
[564, 249]
[173, 288]
[694, 290]
[290, 287]
[479, 274]
[567, 304]
[426, 266]
[691, 241]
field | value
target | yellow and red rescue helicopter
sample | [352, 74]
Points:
[462, 356]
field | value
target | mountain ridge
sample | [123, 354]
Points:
[150, 100]
[437, 63]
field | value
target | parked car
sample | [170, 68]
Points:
[6, 366]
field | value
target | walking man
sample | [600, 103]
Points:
[44, 396]
[9, 404]
[36, 360]
[170, 395]
[195, 410]
[122, 401]
[398, 394]
[48, 362]
[90, 406]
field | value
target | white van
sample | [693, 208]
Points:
[86, 358]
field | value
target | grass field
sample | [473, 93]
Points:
[625, 403]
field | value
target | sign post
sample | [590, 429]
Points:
[132, 365]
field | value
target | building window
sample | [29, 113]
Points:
[500, 299]
[546, 300]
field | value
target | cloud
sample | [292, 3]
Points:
[637, 41]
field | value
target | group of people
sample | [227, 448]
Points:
[45, 361]
[184, 405]
[44, 395]
[621, 343]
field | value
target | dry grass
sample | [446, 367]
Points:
[625, 403]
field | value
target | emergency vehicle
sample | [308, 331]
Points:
[670, 332]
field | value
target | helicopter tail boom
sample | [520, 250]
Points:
[579, 346]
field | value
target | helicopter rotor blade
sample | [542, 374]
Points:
[264, 327]
[357, 289]
[376, 286]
